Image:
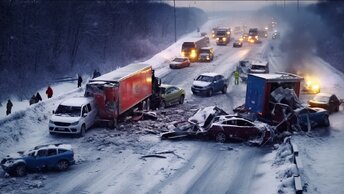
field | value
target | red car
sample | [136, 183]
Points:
[235, 127]
[180, 62]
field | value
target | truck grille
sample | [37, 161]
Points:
[61, 124]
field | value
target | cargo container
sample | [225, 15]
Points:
[118, 92]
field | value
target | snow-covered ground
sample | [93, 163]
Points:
[109, 161]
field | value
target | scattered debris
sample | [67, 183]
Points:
[152, 156]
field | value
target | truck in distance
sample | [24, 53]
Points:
[223, 35]
[191, 49]
[253, 35]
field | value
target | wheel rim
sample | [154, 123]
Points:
[220, 137]
[63, 165]
[20, 170]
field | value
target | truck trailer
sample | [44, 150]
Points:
[117, 93]
[192, 47]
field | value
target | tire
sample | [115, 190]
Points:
[210, 92]
[326, 121]
[20, 170]
[220, 137]
[82, 131]
[62, 165]
[224, 89]
[181, 99]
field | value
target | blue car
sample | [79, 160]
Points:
[317, 117]
[53, 156]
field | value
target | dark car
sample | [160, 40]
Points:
[235, 127]
[209, 83]
[206, 54]
[237, 44]
[180, 62]
[171, 95]
[317, 117]
[276, 35]
[53, 156]
[330, 102]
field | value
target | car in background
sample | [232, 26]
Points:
[180, 62]
[237, 44]
[209, 83]
[206, 54]
[52, 156]
[73, 116]
[327, 101]
[235, 127]
[275, 35]
[259, 66]
[317, 117]
[171, 95]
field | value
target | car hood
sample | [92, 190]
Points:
[201, 83]
[15, 156]
[175, 63]
[64, 118]
[204, 117]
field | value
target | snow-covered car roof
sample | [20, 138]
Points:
[202, 115]
[63, 146]
[260, 63]
[258, 124]
[210, 74]
[77, 101]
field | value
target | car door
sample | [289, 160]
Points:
[52, 158]
[40, 159]
[168, 96]
[174, 95]
[219, 83]
[85, 116]
[246, 130]
[92, 111]
[230, 128]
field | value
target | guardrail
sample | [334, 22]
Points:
[299, 166]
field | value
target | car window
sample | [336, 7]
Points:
[32, 154]
[52, 152]
[89, 107]
[168, 90]
[244, 123]
[42, 153]
[84, 109]
[231, 122]
[62, 151]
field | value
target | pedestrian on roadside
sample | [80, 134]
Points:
[96, 74]
[38, 97]
[9, 106]
[79, 81]
[33, 100]
[49, 92]
[236, 77]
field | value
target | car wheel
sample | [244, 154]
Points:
[220, 137]
[82, 131]
[224, 89]
[326, 121]
[20, 170]
[62, 165]
[210, 92]
[181, 99]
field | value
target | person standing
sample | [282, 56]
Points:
[9, 107]
[33, 100]
[79, 81]
[49, 92]
[236, 77]
[38, 97]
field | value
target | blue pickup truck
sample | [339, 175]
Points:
[209, 83]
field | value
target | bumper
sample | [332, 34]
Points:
[176, 66]
[64, 130]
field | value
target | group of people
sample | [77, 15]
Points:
[49, 92]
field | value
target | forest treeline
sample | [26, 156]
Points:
[41, 40]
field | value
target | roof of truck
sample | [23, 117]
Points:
[194, 39]
[77, 101]
[260, 63]
[122, 72]
[275, 77]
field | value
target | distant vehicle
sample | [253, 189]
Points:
[171, 95]
[213, 34]
[223, 35]
[244, 37]
[317, 117]
[275, 35]
[259, 67]
[53, 156]
[209, 83]
[74, 116]
[263, 33]
[237, 44]
[191, 48]
[180, 62]
[253, 35]
[119, 92]
[206, 54]
[235, 127]
[243, 69]
[237, 30]
[327, 101]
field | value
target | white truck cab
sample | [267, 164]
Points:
[73, 116]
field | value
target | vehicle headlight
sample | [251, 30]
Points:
[208, 58]
[224, 39]
[183, 54]
[193, 54]
[75, 123]
[217, 38]
[193, 51]
[250, 37]
[256, 37]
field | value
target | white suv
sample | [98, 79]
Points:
[74, 116]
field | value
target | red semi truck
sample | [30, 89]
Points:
[118, 92]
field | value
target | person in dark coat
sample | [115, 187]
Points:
[9, 107]
[38, 97]
[79, 81]
[96, 74]
[49, 92]
[33, 100]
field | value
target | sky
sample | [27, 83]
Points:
[210, 6]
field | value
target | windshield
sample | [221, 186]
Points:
[188, 46]
[178, 60]
[72, 111]
[205, 51]
[205, 78]
[321, 98]
[221, 33]
[258, 67]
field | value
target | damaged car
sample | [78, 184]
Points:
[330, 102]
[312, 117]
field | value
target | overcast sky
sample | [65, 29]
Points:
[232, 5]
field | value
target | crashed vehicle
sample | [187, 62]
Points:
[53, 156]
[237, 44]
[209, 83]
[330, 102]
[206, 54]
[310, 118]
[171, 95]
[243, 69]
[180, 62]
[213, 123]
[259, 66]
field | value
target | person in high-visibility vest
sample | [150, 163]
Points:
[236, 77]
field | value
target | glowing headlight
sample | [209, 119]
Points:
[241, 39]
[217, 38]
[208, 58]
[193, 51]
[250, 37]
[256, 37]
[228, 32]
[183, 54]
[224, 39]
[193, 55]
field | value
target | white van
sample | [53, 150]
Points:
[74, 116]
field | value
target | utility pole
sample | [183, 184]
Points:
[175, 22]
[298, 5]
[283, 3]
